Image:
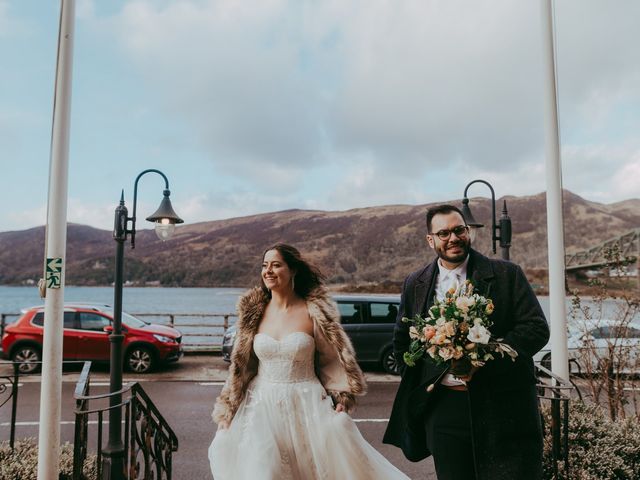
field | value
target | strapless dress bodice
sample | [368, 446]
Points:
[288, 360]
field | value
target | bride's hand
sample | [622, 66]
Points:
[223, 425]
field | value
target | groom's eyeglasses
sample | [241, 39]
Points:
[461, 231]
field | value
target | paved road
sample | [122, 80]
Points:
[187, 407]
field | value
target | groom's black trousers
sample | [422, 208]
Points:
[448, 431]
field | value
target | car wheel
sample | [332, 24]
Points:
[28, 356]
[140, 359]
[389, 363]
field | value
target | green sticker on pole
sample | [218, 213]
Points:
[54, 272]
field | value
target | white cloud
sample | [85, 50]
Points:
[598, 58]
[86, 9]
[230, 204]
[26, 218]
[602, 172]
[290, 84]
[232, 72]
[626, 181]
[88, 213]
[279, 86]
[5, 21]
[335, 104]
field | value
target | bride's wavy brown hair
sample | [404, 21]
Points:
[307, 276]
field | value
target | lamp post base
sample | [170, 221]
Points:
[113, 465]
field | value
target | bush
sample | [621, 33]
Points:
[599, 448]
[22, 462]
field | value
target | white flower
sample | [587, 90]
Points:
[479, 334]
[441, 321]
[477, 321]
[463, 303]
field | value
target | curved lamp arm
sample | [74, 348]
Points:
[120, 230]
[505, 222]
[494, 228]
[135, 201]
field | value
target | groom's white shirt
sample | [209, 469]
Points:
[446, 280]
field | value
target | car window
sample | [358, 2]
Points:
[351, 312]
[617, 331]
[93, 321]
[626, 332]
[600, 332]
[633, 332]
[132, 321]
[69, 319]
[383, 312]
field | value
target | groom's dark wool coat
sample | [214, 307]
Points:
[505, 421]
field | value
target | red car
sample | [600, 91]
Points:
[86, 337]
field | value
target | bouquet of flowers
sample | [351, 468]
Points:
[457, 331]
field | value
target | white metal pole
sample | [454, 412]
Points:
[51, 388]
[555, 222]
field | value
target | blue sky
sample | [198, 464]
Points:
[257, 106]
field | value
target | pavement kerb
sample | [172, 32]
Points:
[190, 368]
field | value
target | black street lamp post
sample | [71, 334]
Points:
[113, 464]
[504, 237]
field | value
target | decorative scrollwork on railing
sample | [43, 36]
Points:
[8, 382]
[149, 441]
[152, 440]
[7, 389]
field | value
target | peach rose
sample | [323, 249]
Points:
[428, 332]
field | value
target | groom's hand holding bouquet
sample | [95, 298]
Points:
[456, 331]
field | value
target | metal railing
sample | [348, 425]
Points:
[10, 375]
[215, 330]
[9, 385]
[149, 441]
[557, 392]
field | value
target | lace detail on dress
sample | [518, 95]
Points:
[288, 360]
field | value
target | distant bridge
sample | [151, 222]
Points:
[628, 246]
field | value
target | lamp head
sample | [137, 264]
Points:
[165, 218]
[468, 217]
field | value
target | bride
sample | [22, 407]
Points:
[283, 411]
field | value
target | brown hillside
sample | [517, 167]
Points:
[360, 246]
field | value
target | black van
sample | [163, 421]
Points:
[369, 322]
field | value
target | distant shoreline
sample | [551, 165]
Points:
[389, 287]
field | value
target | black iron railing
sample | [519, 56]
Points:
[557, 393]
[10, 375]
[9, 385]
[199, 332]
[81, 429]
[149, 441]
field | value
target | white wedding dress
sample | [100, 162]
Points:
[286, 427]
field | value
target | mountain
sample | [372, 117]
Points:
[374, 245]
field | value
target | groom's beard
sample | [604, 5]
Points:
[443, 251]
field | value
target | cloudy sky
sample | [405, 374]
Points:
[264, 105]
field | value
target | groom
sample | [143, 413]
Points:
[483, 424]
